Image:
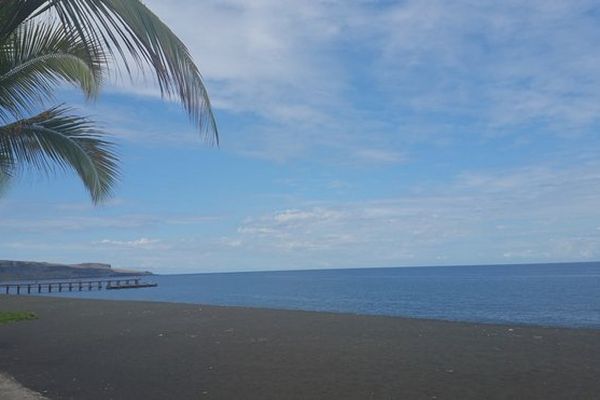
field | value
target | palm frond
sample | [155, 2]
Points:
[37, 57]
[128, 28]
[5, 168]
[13, 13]
[58, 139]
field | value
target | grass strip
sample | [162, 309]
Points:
[14, 316]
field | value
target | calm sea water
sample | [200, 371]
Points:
[544, 294]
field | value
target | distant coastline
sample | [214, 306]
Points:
[32, 270]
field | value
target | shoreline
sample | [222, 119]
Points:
[96, 349]
[13, 390]
[506, 324]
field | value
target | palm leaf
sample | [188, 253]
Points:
[58, 139]
[35, 58]
[13, 13]
[128, 28]
[5, 167]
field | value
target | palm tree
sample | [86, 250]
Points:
[37, 54]
[34, 58]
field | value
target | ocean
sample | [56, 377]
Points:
[561, 295]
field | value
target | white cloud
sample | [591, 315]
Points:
[315, 215]
[260, 55]
[66, 222]
[364, 79]
[528, 214]
[142, 243]
[502, 64]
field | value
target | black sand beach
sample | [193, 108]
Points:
[88, 349]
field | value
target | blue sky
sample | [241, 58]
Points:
[353, 134]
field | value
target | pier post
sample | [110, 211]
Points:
[18, 289]
[70, 286]
[99, 285]
[90, 285]
[39, 288]
[28, 289]
[80, 286]
[7, 289]
[60, 287]
[49, 288]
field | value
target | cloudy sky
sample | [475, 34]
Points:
[353, 134]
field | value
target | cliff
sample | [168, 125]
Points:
[31, 270]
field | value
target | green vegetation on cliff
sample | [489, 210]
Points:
[30, 270]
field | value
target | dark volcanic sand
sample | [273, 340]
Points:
[89, 349]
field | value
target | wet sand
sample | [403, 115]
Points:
[90, 349]
[12, 390]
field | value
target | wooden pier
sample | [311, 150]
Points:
[72, 285]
